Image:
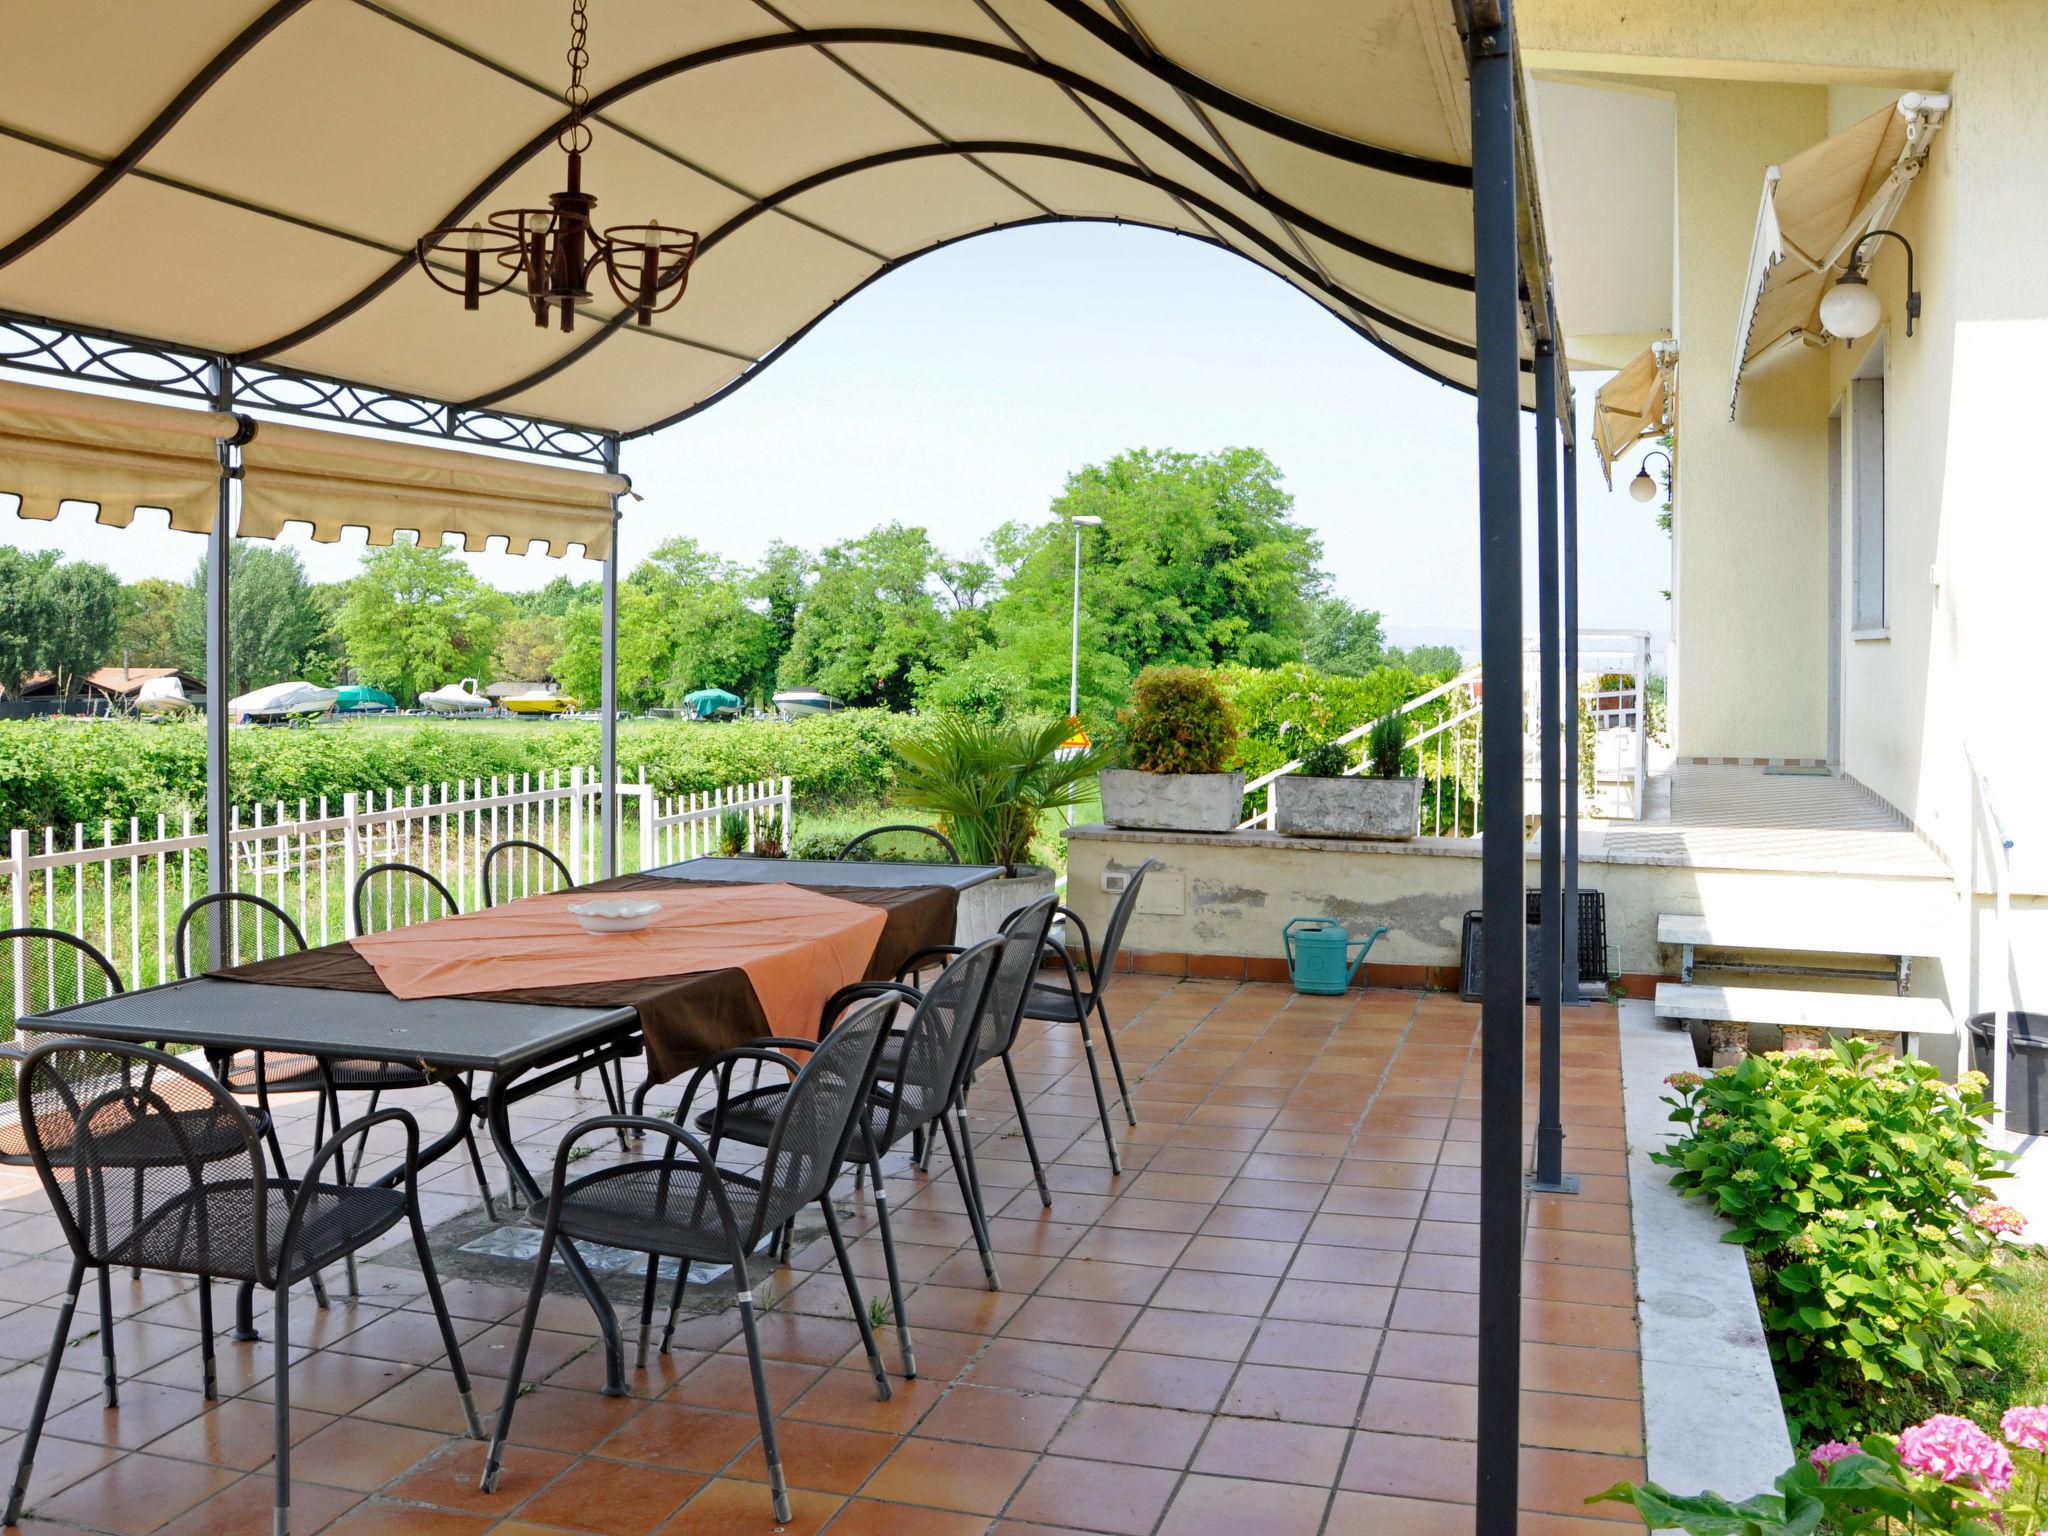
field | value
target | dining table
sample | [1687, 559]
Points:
[331, 1003]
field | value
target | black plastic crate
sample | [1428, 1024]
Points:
[1592, 944]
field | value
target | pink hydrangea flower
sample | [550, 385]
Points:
[1826, 1455]
[1955, 1450]
[1996, 1218]
[2026, 1426]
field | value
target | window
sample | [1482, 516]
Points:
[1866, 501]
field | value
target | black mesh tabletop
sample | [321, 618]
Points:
[459, 1033]
[881, 875]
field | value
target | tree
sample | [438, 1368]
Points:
[529, 648]
[685, 622]
[1198, 562]
[277, 631]
[1343, 639]
[149, 621]
[780, 583]
[870, 626]
[82, 624]
[21, 613]
[417, 618]
[1426, 660]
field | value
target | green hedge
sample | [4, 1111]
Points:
[58, 772]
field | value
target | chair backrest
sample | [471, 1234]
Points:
[1113, 933]
[245, 928]
[524, 869]
[809, 1140]
[397, 896]
[934, 1044]
[118, 1133]
[903, 844]
[42, 969]
[1024, 935]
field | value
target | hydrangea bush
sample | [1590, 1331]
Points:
[1858, 1182]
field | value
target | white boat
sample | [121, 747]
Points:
[795, 703]
[162, 696]
[282, 701]
[457, 699]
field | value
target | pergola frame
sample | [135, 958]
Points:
[1512, 294]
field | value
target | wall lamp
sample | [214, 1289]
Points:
[1644, 486]
[1851, 309]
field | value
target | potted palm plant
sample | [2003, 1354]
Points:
[1324, 797]
[991, 784]
[1178, 735]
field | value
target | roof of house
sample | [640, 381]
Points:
[117, 680]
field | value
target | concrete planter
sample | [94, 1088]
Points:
[1384, 810]
[983, 907]
[1172, 802]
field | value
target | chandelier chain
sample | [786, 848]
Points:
[575, 137]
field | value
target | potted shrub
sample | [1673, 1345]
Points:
[990, 784]
[1178, 734]
[1322, 798]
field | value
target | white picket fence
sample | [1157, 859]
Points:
[122, 889]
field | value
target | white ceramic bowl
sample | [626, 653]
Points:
[615, 914]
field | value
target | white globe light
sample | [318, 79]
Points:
[1850, 310]
[1643, 488]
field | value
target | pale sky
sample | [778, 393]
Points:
[958, 393]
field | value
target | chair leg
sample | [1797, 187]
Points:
[675, 1303]
[281, 1411]
[441, 1319]
[860, 1307]
[960, 1174]
[778, 1487]
[210, 1377]
[34, 1432]
[355, 1167]
[245, 1314]
[110, 1391]
[973, 1173]
[1024, 1125]
[483, 1178]
[889, 1259]
[332, 1098]
[489, 1481]
[1116, 1062]
[647, 1308]
[1101, 1104]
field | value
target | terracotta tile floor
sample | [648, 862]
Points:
[1265, 1326]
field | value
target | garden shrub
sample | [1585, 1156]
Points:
[1324, 760]
[1178, 722]
[1857, 1180]
[1281, 707]
[1386, 745]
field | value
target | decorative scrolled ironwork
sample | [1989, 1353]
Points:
[41, 347]
[305, 394]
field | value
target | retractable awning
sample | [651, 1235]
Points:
[59, 445]
[246, 179]
[1816, 206]
[1639, 401]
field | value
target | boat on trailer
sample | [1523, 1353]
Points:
[457, 699]
[796, 703]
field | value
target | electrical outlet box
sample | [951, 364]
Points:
[1115, 881]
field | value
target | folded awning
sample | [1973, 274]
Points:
[331, 482]
[1638, 402]
[59, 445]
[1816, 206]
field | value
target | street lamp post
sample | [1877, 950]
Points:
[1074, 663]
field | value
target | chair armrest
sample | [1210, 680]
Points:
[911, 966]
[859, 991]
[678, 1139]
[726, 1060]
[330, 1151]
[1069, 915]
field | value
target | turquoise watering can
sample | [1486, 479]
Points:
[1319, 954]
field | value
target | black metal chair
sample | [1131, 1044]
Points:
[1029, 930]
[1068, 1002]
[924, 1063]
[540, 866]
[903, 844]
[682, 1205]
[148, 1162]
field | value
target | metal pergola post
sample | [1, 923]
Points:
[1573, 992]
[608, 691]
[1550, 959]
[1497, 330]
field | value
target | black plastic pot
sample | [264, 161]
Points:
[2026, 1077]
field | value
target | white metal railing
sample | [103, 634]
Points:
[1620, 744]
[1462, 706]
[1989, 837]
[122, 889]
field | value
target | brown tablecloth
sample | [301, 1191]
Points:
[685, 1019]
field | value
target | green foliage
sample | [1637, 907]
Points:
[1386, 745]
[1324, 760]
[983, 687]
[149, 621]
[417, 619]
[61, 617]
[1848, 1174]
[870, 627]
[1179, 722]
[1343, 639]
[990, 782]
[732, 834]
[1435, 662]
[529, 648]
[1285, 706]
[278, 630]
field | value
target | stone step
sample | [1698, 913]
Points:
[1806, 934]
[1803, 1009]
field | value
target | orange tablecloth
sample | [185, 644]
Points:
[796, 946]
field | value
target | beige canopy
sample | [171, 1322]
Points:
[61, 445]
[1816, 206]
[246, 177]
[1639, 401]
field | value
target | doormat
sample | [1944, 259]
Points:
[1786, 771]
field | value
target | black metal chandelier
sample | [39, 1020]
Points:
[555, 250]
